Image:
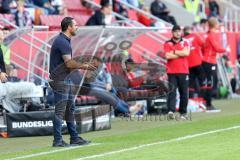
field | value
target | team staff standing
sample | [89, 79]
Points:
[211, 49]
[196, 72]
[176, 51]
[61, 65]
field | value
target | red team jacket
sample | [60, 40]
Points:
[179, 65]
[212, 47]
[195, 57]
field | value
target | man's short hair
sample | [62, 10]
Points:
[67, 21]
[203, 21]
[212, 22]
[186, 30]
[105, 3]
[176, 28]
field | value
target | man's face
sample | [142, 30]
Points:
[216, 26]
[96, 62]
[20, 8]
[177, 34]
[108, 10]
[73, 28]
[205, 26]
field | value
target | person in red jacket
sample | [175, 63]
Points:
[196, 72]
[176, 51]
[211, 49]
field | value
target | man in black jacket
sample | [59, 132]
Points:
[99, 18]
[160, 10]
[214, 8]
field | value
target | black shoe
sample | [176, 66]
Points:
[212, 109]
[60, 144]
[79, 141]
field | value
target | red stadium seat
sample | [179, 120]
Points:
[53, 21]
[75, 5]
[132, 15]
[9, 17]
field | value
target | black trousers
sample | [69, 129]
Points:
[168, 18]
[197, 81]
[212, 80]
[180, 82]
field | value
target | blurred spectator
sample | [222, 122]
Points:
[135, 3]
[195, 26]
[7, 5]
[196, 7]
[5, 31]
[88, 5]
[160, 10]
[203, 27]
[121, 9]
[21, 16]
[46, 5]
[145, 19]
[5, 49]
[213, 8]
[58, 5]
[100, 17]
[12, 73]
[141, 3]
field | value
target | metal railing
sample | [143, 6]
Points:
[153, 35]
[138, 10]
[231, 19]
[29, 32]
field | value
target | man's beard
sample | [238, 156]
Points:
[176, 38]
[73, 33]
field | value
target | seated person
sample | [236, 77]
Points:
[12, 73]
[21, 16]
[46, 5]
[160, 10]
[103, 81]
[135, 75]
[101, 17]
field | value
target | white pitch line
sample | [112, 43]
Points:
[157, 143]
[53, 151]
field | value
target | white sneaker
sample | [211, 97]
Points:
[135, 109]
[183, 117]
[171, 115]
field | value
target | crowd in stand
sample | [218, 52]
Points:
[25, 12]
